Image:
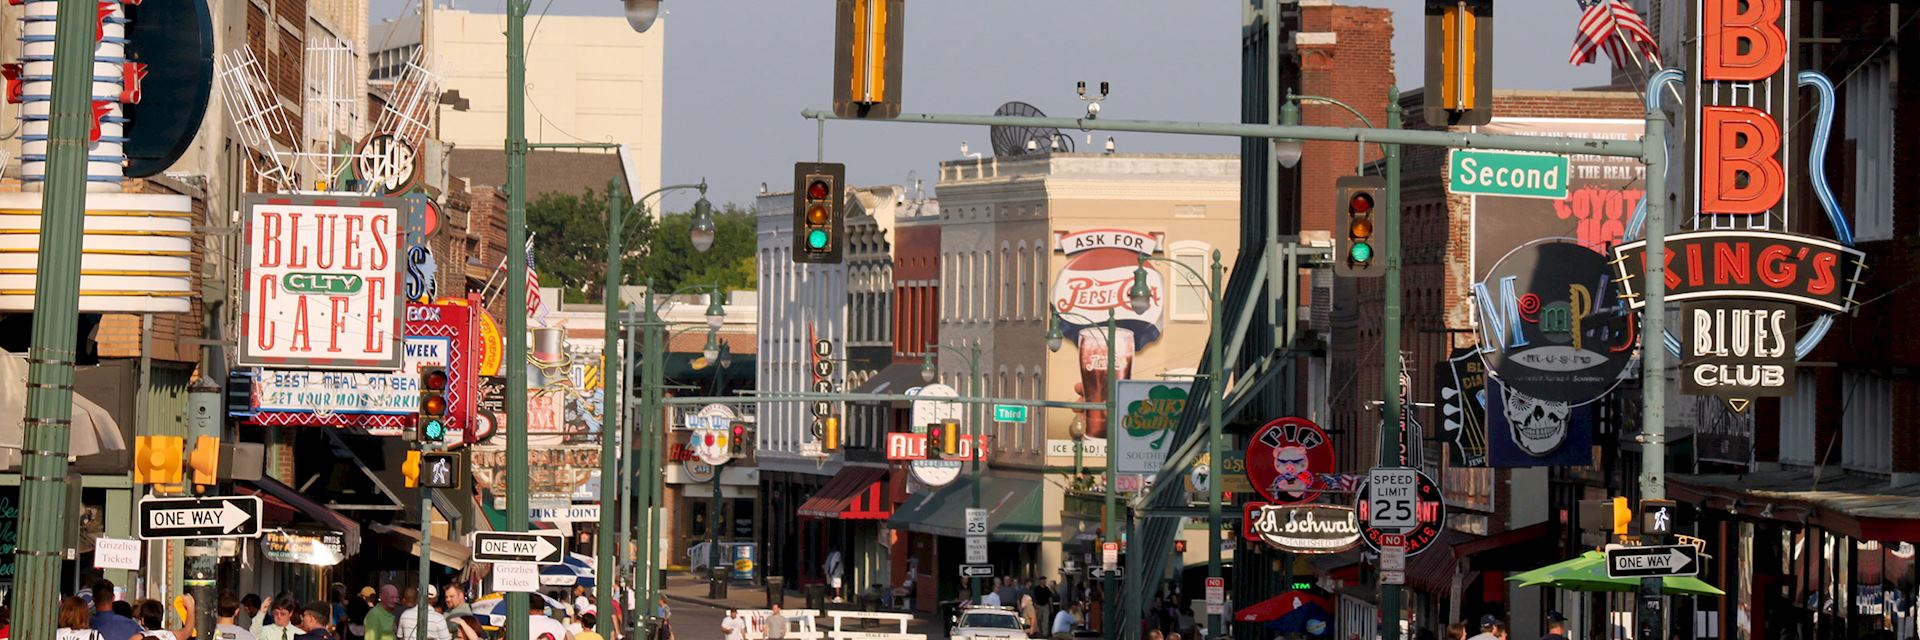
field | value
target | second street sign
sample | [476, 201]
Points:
[1653, 562]
[1506, 173]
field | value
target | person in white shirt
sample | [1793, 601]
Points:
[734, 626]
[1063, 622]
[407, 626]
[992, 599]
[282, 611]
[541, 627]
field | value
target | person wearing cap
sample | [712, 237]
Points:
[1556, 626]
[408, 625]
[1487, 624]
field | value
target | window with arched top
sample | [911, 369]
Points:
[1190, 288]
[1005, 277]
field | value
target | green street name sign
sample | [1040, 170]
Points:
[1501, 173]
[1009, 413]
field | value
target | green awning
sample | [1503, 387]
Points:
[1013, 510]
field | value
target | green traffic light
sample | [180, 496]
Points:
[1361, 252]
[433, 429]
[817, 239]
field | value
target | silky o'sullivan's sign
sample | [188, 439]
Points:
[322, 283]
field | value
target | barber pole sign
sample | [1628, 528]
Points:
[322, 283]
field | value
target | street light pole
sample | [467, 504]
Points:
[1392, 426]
[609, 403]
[1109, 515]
[516, 312]
[1140, 296]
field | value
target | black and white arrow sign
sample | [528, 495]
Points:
[1653, 562]
[504, 546]
[213, 517]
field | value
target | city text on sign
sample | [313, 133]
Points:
[1507, 173]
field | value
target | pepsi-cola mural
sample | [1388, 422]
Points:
[1093, 283]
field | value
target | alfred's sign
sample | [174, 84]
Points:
[1761, 265]
[1737, 349]
[1304, 528]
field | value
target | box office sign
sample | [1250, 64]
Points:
[1737, 349]
[322, 288]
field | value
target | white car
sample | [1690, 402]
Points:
[988, 622]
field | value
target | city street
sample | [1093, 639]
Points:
[1117, 319]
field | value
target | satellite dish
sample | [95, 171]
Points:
[1012, 141]
[641, 14]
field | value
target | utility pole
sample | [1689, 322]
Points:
[1391, 426]
[1217, 383]
[56, 298]
[516, 627]
[1653, 359]
[606, 567]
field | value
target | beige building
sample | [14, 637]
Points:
[1024, 236]
[589, 79]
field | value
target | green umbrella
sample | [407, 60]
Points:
[1588, 572]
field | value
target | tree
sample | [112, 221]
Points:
[570, 242]
[672, 263]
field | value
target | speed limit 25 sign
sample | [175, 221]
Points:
[1393, 498]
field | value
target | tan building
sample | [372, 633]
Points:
[589, 79]
[1024, 236]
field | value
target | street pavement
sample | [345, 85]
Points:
[697, 617]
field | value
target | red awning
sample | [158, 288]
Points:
[856, 493]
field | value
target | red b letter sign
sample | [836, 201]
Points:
[1728, 30]
[1736, 142]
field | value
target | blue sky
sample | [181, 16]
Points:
[738, 72]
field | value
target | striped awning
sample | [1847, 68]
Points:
[856, 493]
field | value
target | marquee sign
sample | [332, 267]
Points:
[1550, 324]
[1759, 265]
[322, 283]
[1285, 458]
[1736, 349]
[1303, 528]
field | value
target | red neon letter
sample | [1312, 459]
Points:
[1736, 142]
[1727, 29]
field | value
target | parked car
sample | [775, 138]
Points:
[988, 622]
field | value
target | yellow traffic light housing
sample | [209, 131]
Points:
[867, 52]
[1622, 516]
[410, 469]
[157, 459]
[1459, 62]
[950, 441]
[205, 460]
[830, 433]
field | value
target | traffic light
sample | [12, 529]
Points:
[157, 459]
[830, 433]
[410, 469]
[1179, 546]
[205, 460]
[950, 442]
[818, 218]
[431, 425]
[1459, 63]
[1357, 238]
[867, 53]
[1622, 516]
[936, 437]
[738, 447]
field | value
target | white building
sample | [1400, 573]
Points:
[589, 78]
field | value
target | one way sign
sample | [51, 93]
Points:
[506, 546]
[214, 517]
[1652, 562]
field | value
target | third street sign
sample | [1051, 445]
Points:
[1507, 173]
[1653, 562]
[212, 517]
[506, 546]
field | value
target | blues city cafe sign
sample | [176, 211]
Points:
[1302, 528]
[1551, 325]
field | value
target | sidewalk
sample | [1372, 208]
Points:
[687, 589]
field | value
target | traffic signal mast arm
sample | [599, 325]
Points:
[1562, 145]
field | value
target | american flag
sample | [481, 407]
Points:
[1611, 25]
[536, 307]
